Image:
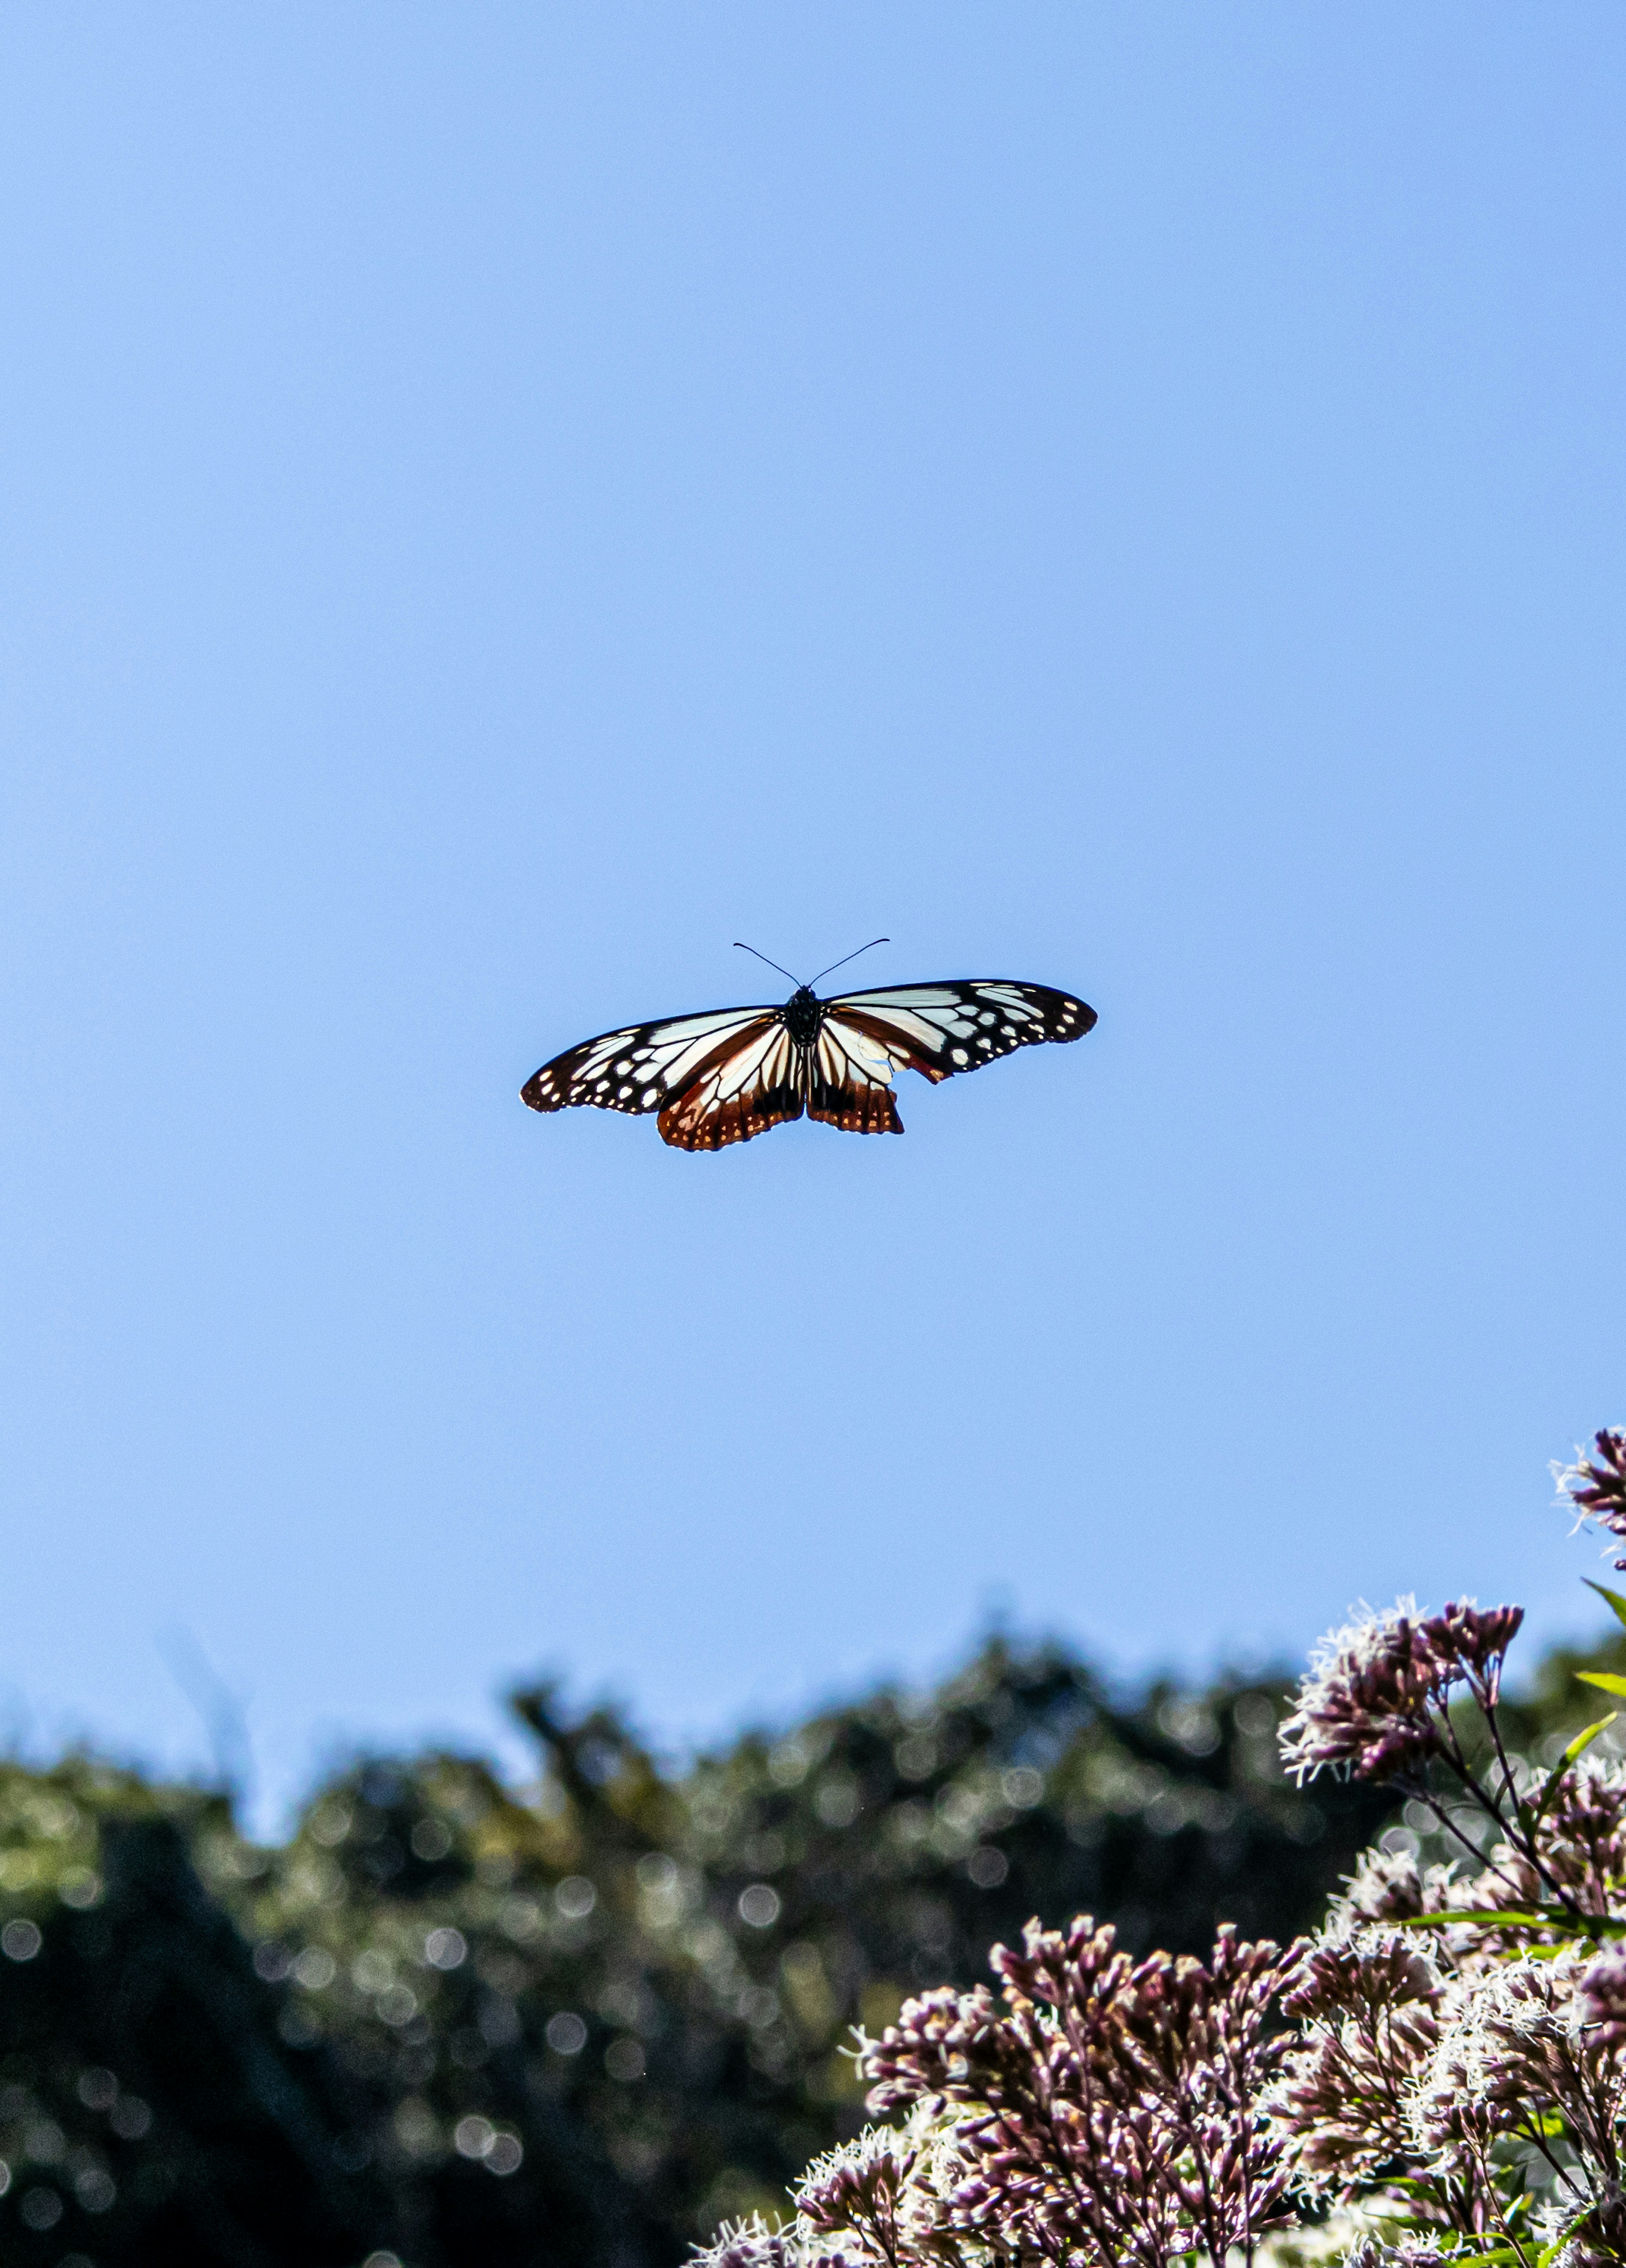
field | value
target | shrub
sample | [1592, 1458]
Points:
[586, 2019]
[1439, 2072]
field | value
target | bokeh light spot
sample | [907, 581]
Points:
[759, 1905]
[567, 2035]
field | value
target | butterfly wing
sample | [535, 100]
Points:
[746, 1084]
[849, 1082]
[647, 1066]
[941, 1030]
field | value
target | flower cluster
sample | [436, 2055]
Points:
[885, 2197]
[1367, 2010]
[1098, 2109]
[1458, 2060]
[1440, 2073]
[1574, 1852]
[1389, 1886]
[1601, 1997]
[1106, 2109]
[1597, 1485]
[1377, 1698]
[752, 2243]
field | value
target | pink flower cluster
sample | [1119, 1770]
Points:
[1107, 2109]
[1601, 1997]
[1447, 2060]
[1376, 1698]
[1597, 1485]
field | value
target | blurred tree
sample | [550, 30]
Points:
[451, 2020]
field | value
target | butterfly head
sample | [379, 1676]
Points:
[802, 1014]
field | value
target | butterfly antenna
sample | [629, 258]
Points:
[835, 965]
[738, 947]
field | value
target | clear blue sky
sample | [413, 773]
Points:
[499, 501]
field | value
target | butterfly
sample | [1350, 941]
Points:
[728, 1076]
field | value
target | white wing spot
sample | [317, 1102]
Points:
[652, 1096]
[959, 1054]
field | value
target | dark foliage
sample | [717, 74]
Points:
[454, 2023]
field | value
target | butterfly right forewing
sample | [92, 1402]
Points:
[961, 1023]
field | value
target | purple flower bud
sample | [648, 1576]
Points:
[1374, 1700]
[1365, 1979]
[1469, 1644]
[1601, 1997]
[749, 2244]
[1105, 2112]
[1597, 1485]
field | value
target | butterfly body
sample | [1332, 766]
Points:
[720, 1079]
[802, 1014]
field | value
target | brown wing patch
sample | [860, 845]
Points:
[856, 1110]
[743, 1087]
[850, 1084]
[689, 1125]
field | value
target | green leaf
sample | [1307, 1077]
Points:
[1524, 1918]
[1533, 1819]
[1550, 2253]
[1509, 1917]
[1584, 1740]
[1605, 1679]
[1615, 1600]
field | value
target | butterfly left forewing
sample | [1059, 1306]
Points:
[645, 1067]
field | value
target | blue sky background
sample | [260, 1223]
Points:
[499, 501]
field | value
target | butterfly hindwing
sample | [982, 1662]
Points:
[940, 1030]
[850, 1083]
[745, 1085]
